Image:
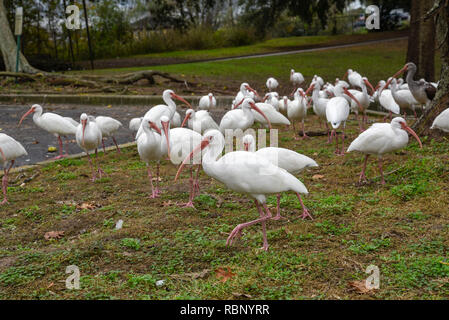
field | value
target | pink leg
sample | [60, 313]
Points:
[304, 135]
[278, 212]
[362, 175]
[382, 181]
[294, 131]
[150, 177]
[158, 192]
[416, 116]
[5, 183]
[329, 136]
[92, 167]
[66, 146]
[104, 148]
[100, 172]
[342, 153]
[305, 212]
[116, 145]
[190, 203]
[196, 184]
[238, 229]
[60, 150]
[337, 150]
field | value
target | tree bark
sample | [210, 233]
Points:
[427, 42]
[8, 46]
[441, 15]
[413, 40]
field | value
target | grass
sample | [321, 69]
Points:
[268, 46]
[401, 229]
[375, 62]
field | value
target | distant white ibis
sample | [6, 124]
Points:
[178, 143]
[364, 99]
[241, 118]
[199, 121]
[88, 137]
[442, 121]
[320, 105]
[337, 112]
[150, 148]
[386, 100]
[108, 127]
[297, 111]
[134, 124]
[247, 173]
[207, 102]
[354, 78]
[270, 113]
[382, 138]
[52, 123]
[422, 91]
[273, 99]
[283, 105]
[286, 159]
[246, 92]
[297, 79]
[168, 109]
[272, 84]
[404, 98]
[10, 150]
[175, 121]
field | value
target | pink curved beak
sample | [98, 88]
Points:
[154, 126]
[237, 105]
[246, 146]
[25, 115]
[187, 117]
[175, 96]
[210, 100]
[346, 74]
[252, 90]
[353, 98]
[253, 105]
[165, 128]
[370, 86]
[395, 76]
[204, 143]
[312, 86]
[83, 123]
[413, 133]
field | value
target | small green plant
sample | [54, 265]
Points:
[418, 215]
[31, 213]
[140, 280]
[206, 200]
[131, 243]
[329, 228]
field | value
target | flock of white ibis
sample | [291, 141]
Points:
[160, 134]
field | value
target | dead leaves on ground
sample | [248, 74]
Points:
[224, 274]
[360, 287]
[54, 235]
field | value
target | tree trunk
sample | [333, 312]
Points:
[8, 46]
[441, 101]
[413, 40]
[427, 42]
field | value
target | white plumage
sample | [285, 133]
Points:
[134, 124]
[272, 84]
[271, 113]
[241, 118]
[199, 121]
[108, 127]
[442, 121]
[297, 111]
[207, 102]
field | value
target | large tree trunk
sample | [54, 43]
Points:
[441, 101]
[421, 43]
[8, 46]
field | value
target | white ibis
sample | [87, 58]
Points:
[273, 99]
[175, 121]
[272, 84]
[386, 100]
[168, 109]
[364, 99]
[283, 105]
[297, 111]
[72, 121]
[241, 118]
[320, 105]
[150, 149]
[404, 98]
[297, 79]
[442, 121]
[422, 91]
[247, 173]
[286, 159]
[318, 79]
[199, 121]
[207, 102]
[270, 113]
[52, 123]
[382, 138]
[337, 112]
[354, 78]
[88, 137]
[10, 150]
[178, 143]
[134, 124]
[108, 126]
[246, 92]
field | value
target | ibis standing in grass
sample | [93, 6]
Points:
[88, 138]
[108, 127]
[382, 138]
[52, 123]
[247, 173]
[442, 121]
[286, 159]
[10, 150]
[207, 102]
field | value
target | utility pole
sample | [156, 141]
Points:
[18, 33]
[91, 55]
